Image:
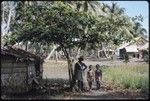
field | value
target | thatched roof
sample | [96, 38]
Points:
[123, 45]
[131, 48]
[144, 47]
[138, 43]
[19, 53]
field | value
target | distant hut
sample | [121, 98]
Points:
[144, 51]
[18, 68]
[130, 50]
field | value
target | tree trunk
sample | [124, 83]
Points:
[56, 55]
[18, 45]
[98, 54]
[36, 48]
[54, 47]
[26, 46]
[8, 22]
[70, 71]
[59, 55]
[104, 50]
[78, 52]
[3, 21]
[113, 53]
[105, 53]
[40, 48]
[11, 8]
[70, 66]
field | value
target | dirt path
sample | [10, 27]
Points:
[107, 95]
[103, 94]
[106, 92]
[90, 95]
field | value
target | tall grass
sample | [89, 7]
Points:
[128, 76]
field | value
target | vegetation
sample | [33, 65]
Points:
[128, 76]
[43, 24]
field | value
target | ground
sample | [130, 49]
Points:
[53, 71]
[56, 77]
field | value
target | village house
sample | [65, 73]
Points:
[137, 49]
[144, 51]
[18, 69]
[131, 50]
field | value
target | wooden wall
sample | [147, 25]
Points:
[14, 75]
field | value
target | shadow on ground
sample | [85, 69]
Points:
[110, 95]
[51, 87]
[59, 89]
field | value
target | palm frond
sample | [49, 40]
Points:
[85, 6]
[143, 31]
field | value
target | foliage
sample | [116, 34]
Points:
[128, 76]
[59, 24]
[117, 25]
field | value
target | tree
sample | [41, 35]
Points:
[138, 29]
[58, 24]
[8, 14]
[115, 26]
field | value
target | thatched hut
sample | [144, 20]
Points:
[18, 68]
[131, 50]
[144, 51]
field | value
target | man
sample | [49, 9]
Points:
[79, 72]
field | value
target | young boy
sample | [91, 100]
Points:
[98, 76]
[90, 77]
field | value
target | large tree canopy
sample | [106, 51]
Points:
[59, 23]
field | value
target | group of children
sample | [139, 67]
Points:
[94, 75]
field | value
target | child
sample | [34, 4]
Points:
[98, 76]
[90, 77]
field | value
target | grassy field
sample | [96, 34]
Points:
[53, 69]
[128, 76]
[133, 75]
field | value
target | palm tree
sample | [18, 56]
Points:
[93, 7]
[118, 25]
[139, 30]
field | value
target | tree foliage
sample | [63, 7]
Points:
[58, 24]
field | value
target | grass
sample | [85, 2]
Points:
[125, 76]
[128, 76]
[53, 69]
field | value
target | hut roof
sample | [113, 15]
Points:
[123, 45]
[131, 48]
[19, 53]
[139, 41]
[144, 47]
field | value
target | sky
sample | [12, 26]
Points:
[133, 8]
